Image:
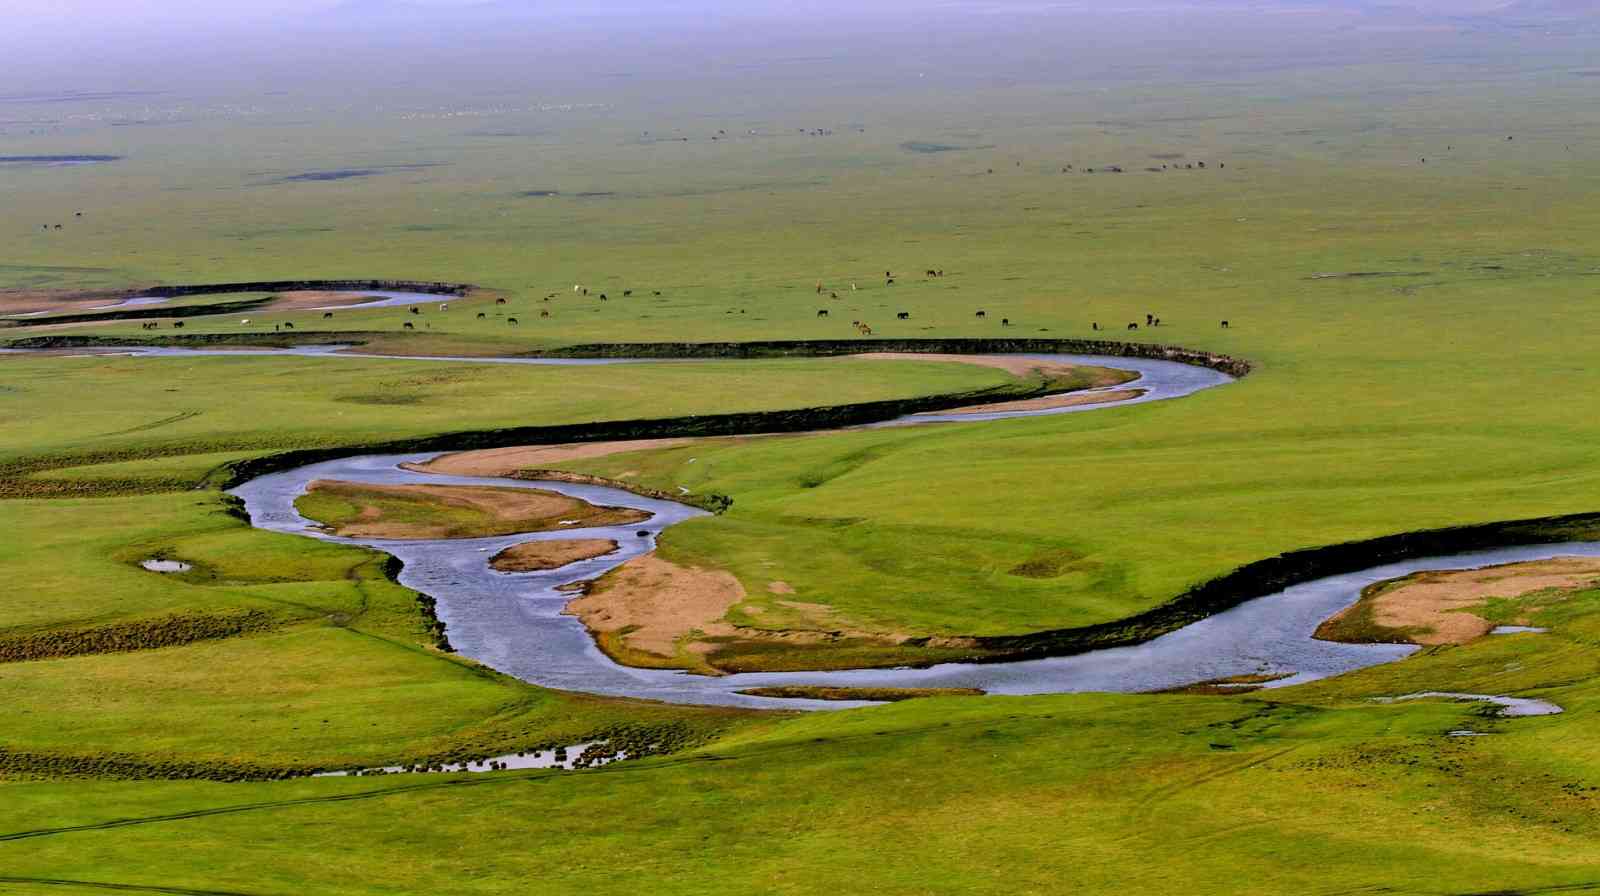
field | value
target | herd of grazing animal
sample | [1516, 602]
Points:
[1150, 320]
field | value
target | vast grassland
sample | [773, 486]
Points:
[1449, 387]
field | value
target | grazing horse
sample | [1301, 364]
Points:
[327, 315]
[982, 314]
[511, 320]
[499, 301]
[409, 326]
[1133, 326]
[481, 315]
[822, 312]
[1224, 325]
[288, 325]
[932, 273]
[904, 315]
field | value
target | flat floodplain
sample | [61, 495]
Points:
[1420, 334]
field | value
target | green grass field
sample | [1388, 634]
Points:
[1450, 385]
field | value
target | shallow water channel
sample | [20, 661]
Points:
[513, 621]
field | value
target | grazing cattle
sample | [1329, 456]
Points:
[511, 320]
[544, 314]
[245, 321]
[444, 306]
[932, 273]
[288, 325]
[481, 315]
[177, 325]
[939, 273]
[822, 312]
[890, 282]
[852, 287]
[1149, 319]
[1156, 322]
[833, 295]
[819, 287]
[656, 292]
[626, 293]
[1005, 321]
[603, 297]
[1133, 326]
[586, 290]
[1224, 325]
[904, 315]
[326, 315]
[1095, 325]
[408, 325]
[982, 314]
[415, 310]
[499, 301]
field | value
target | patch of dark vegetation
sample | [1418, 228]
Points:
[1349, 275]
[877, 695]
[431, 287]
[344, 174]
[141, 634]
[57, 160]
[830, 347]
[198, 340]
[1047, 564]
[124, 767]
[386, 398]
[338, 174]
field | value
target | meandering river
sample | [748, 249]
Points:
[513, 621]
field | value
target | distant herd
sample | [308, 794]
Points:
[862, 327]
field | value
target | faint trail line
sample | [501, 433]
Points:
[175, 418]
[1147, 806]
